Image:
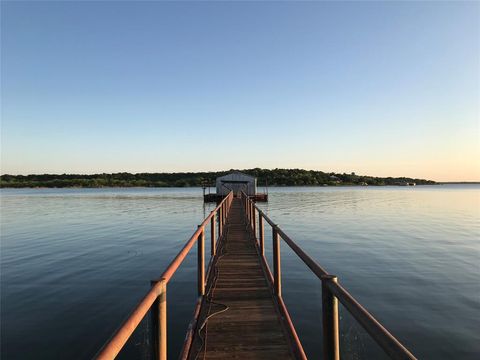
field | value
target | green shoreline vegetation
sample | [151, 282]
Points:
[275, 177]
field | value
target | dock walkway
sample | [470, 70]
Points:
[240, 312]
[243, 319]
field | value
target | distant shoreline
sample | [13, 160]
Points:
[265, 177]
[199, 187]
[458, 182]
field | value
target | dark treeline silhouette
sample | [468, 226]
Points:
[275, 177]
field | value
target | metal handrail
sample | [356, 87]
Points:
[156, 297]
[332, 291]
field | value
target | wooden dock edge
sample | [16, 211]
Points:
[200, 305]
[295, 346]
[286, 321]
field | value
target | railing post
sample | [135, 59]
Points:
[159, 309]
[277, 270]
[224, 215]
[201, 263]
[252, 211]
[261, 234]
[226, 210]
[250, 208]
[213, 245]
[331, 348]
[220, 225]
[221, 214]
[254, 222]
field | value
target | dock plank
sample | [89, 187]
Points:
[243, 321]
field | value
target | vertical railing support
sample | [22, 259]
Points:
[247, 209]
[331, 348]
[220, 225]
[213, 245]
[162, 329]
[201, 263]
[261, 234]
[254, 222]
[159, 316]
[252, 215]
[224, 212]
[277, 269]
[221, 214]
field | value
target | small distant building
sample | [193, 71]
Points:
[405, 183]
[236, 182]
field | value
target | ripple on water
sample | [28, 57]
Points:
[75, 261]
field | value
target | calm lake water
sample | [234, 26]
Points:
[74, 262]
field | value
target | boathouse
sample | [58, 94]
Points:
[236, 182]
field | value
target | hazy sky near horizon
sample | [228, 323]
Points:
[378, 88]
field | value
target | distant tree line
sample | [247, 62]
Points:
[275, 177]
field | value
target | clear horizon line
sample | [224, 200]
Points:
[232, 169]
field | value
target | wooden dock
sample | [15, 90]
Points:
[240, 318]
[213, 197]
[240, 313]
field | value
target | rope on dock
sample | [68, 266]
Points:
[208, 297]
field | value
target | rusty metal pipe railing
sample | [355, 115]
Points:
[331, 342]
[190, 331]
[220, 222]
[382, 336]
[296, 344]
[168, 273]
[201, 264]
[213, 236]
[277, 269]
[158, 292]
[332, 292]
[115, 344]
[261, 235]
[254, 224]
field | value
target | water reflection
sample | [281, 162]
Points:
[74, 262]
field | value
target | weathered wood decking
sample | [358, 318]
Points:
[243, 319]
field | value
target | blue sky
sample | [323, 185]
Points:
[379, 88]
